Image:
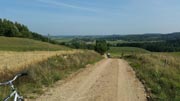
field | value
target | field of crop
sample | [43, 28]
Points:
[22, 44]
[122, 51]
[44, 68]
[17, 60]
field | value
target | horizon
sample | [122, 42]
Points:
[69, 35]
[91, 17]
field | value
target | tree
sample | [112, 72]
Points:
[101, 46]
[15, 29]
[1, 27]
[9, 28]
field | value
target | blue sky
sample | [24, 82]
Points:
[90, 17]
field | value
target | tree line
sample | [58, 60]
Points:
[15, 29]
[164, 46]
[143, 37]
[100, 46]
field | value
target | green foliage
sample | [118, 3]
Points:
[101, 46]
[47, 72]
[164, 46]
[79, 44]
[154, 37]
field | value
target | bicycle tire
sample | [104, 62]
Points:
[20, 99]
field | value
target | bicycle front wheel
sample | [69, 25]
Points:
[20, 99]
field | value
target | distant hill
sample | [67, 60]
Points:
[23, 44]
[153, 42]
[143, 37]
[138, 37]
[171, 36]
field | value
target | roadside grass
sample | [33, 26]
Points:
[160, 74]
[47, 72]
[22, 44]
[123, 51]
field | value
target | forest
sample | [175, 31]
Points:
[15, 29]
[143, 37]
[166, 46]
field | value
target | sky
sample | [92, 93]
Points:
[94, 17]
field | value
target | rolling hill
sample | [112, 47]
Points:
[143, 37]
[23, 44]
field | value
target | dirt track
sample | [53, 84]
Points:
[108, 80]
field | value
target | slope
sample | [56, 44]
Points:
[22, 44]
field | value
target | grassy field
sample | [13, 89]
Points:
[122, 51]
[176, 54]
[63, 39]
[45, 73]
[22, 44]
[159, 72]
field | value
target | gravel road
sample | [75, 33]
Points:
[107, 80]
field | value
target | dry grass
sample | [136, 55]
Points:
[18, 60]
[44, 69]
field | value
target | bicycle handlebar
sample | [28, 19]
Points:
[10, 81]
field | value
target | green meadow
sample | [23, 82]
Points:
[22, 44]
